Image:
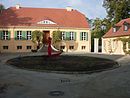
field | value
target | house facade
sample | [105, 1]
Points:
[116, 40]
[18, 23]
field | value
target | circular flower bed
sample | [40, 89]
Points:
[63, 63]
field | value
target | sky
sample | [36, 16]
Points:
[91, 8]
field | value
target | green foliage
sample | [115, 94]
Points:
[98, 30]
[1, 8]
[37, 36]
[56, 36]
[124, 41]
[89, 21]
[117, 10]
[107, 23]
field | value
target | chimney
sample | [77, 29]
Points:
[17, 6]
[69, 8]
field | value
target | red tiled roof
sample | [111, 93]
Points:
[120, 31]
[30, 16]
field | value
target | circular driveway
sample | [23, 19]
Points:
[18, 83]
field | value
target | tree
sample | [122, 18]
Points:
[37, 38]
[56, 36]
[89, 21]
[1, 8]
[117, 10]
[107, 24]
[98, 29]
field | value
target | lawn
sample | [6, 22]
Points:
[62, 63]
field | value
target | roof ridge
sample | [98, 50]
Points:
[40, 8]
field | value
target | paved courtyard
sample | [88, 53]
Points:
[18, 83]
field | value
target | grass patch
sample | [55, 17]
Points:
[62, 63]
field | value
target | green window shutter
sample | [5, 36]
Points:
[9, 34]
[60, 35]
[24, 35]
[86, 36]
[15, 35]
[75, 35]
[0, 35]
[80, 35]
[129, 44]
[67, 35]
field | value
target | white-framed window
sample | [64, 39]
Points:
[19, 47]
[125, 27]
[71, 35]
[5, 47]
[114, 29]
[71, 47]
[83, 35]
[5, 35]
[29, 47]
[29, 35]
[83, 47]
[19, 35]
[46, 22]
[63, 35]
[62, 47]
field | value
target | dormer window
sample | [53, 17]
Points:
[114, 29]
[125, 27]
[46, 22]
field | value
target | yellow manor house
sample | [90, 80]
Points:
[17, 24]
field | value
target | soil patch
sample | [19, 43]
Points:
[62, 63]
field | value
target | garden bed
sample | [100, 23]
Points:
[62, 63]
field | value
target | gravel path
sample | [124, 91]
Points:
[18, 83]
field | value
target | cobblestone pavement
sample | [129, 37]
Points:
[18, 83]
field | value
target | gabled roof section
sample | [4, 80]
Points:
[31, 16]
[120, 29]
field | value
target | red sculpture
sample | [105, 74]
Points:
[50, 49]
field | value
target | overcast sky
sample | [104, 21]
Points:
[91, 8]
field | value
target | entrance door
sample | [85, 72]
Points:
[45, 37]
